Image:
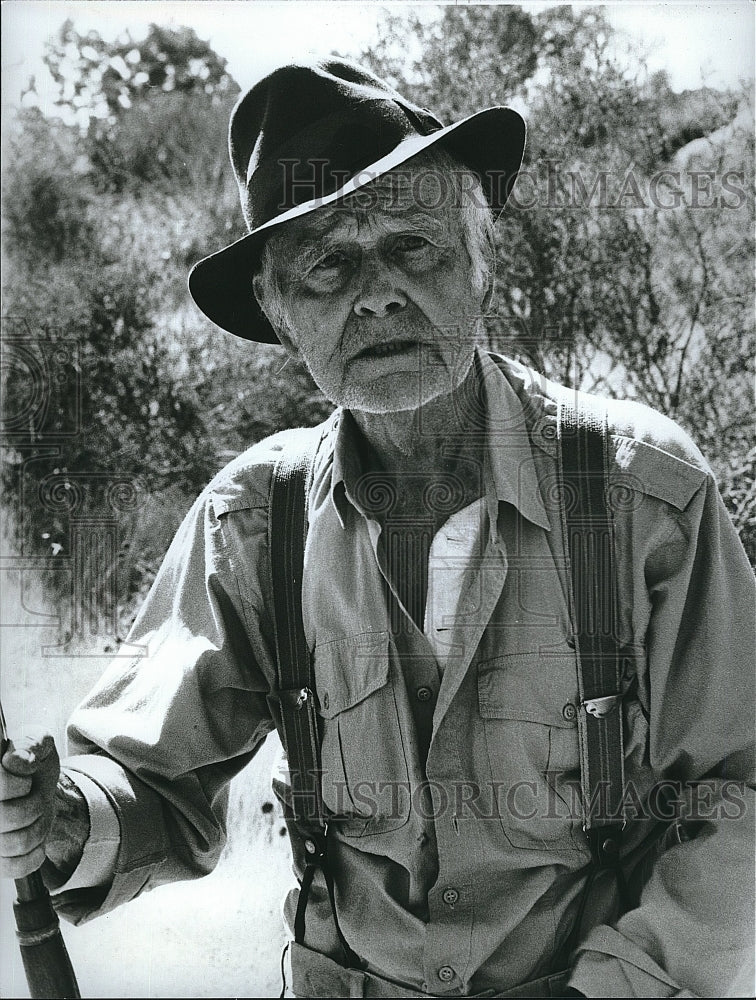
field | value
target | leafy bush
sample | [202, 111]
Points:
[165, 399]
[165, 143]
[45, 214]
[101, 225]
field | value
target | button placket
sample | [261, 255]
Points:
[450, 909]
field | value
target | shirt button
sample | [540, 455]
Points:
[569, 711]
[450, 896]
[549, 431]
[424, 694]
[446, 973]
[326, 700]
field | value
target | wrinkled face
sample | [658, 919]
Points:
[379, 295]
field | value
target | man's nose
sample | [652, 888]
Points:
[378, 296]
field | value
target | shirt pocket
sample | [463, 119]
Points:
[363, 758]
[528, 710]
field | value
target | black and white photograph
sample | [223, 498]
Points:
[378, 498]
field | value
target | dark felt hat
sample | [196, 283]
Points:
[307, 135]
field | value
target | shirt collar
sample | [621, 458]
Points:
[347, 464]
[513, 475]
[510, 475]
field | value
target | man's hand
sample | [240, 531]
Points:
[29, 773]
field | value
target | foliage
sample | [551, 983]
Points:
[166, 141]
[44, 212]
[103, 78]
[154, 110]
[623, 259]
[165, 401]
[606, 288]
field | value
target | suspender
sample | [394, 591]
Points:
[589, 531]
[588, 528]
[299, 729]
[590, 540]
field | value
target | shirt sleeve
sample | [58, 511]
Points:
[163, 732]
[692, 933]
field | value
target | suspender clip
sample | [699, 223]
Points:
[601, 707]
[303, 697]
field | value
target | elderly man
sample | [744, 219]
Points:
[438, 666]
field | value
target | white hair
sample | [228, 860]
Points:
[467, 197]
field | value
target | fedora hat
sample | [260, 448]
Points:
[308, 135]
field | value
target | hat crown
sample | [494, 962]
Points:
[304, 129]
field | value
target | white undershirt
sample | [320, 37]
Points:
[452, 549]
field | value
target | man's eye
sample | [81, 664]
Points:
[410, 243]
[331, 262]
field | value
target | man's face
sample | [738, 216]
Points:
[379, 294]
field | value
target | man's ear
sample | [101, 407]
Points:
[489, 295]
[287, 343]
[258, 287]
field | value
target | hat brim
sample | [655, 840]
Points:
[490, 143]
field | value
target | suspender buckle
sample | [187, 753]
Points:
[601, 707]
[605, 843]
[314, 844]
[305, 694]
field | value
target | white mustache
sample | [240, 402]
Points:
[410, 325]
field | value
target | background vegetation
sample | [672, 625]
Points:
[110, 372]
[628, 294]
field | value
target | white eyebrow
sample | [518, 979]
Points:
[314, 245]
[311, 252]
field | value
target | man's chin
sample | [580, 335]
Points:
[398, 386]
[391, 396]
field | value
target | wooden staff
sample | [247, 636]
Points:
[48, 968]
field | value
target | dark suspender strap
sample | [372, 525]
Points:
[287, 525]
[589, 530]
[300, 735]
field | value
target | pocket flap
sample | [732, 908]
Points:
[348, 670]
[227, 503]
[529, 687]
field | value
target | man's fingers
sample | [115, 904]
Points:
[18, 867]
[13, 787]
[18, 843]
[28, 779]
[29, 754]
[30, 768]
[18, 813]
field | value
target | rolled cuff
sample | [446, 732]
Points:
[143, 844]
[97, 865]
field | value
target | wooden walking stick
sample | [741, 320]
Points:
[48, 968]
